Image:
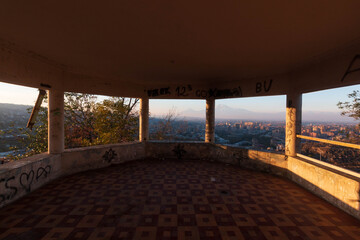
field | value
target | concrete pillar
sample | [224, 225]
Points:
[210, 121]
[56, 122]
[293, 124]
[144, 120]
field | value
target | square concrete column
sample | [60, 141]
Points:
[210, 121]
[56, 122]
[144, 120]
[293, 124]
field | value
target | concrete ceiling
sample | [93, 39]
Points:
[161, 42]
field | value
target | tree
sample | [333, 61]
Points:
[164, 127]
[86, 121]
[351, 108]
[79, 114]
[33, 141]
[169, 127]
[115, 120]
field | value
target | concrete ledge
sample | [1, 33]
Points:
[269, 162]
[178, 150]
[86, 158]
[21, 177]
[336, 185]
[330, 167]
[257, 160]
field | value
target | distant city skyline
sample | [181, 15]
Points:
[318, 102]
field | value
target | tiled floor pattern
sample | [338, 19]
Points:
[174, 200]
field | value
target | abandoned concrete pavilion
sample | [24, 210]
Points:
[178, 50]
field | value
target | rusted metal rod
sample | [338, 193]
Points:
[36, 109]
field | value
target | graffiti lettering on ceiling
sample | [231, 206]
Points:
[219, 93]
[264, 86]
[188, 90]
[158, 92]
[183, 91]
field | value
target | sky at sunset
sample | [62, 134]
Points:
[322, 101]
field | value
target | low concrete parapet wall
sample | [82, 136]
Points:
[338, 186]
[24, 176]
[21, 177]
[257, 160]
[178, 150]
[86, 158]
[269, 162]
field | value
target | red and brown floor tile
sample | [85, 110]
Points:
[174, 200]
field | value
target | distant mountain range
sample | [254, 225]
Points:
[11, 111]
[226, 112]
[5, 107]
[13, 114]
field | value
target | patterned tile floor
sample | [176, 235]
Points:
[174, 200]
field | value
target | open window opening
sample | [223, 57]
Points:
[97, 120]
[16, 140]
[331, 126]
[251, 123]
[177, 120]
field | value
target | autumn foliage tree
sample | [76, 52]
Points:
[79, 114]
[87, 122]
[115, 120]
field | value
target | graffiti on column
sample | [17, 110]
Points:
[350, 67]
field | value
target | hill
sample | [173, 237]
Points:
[225, 112]
[13, 114]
